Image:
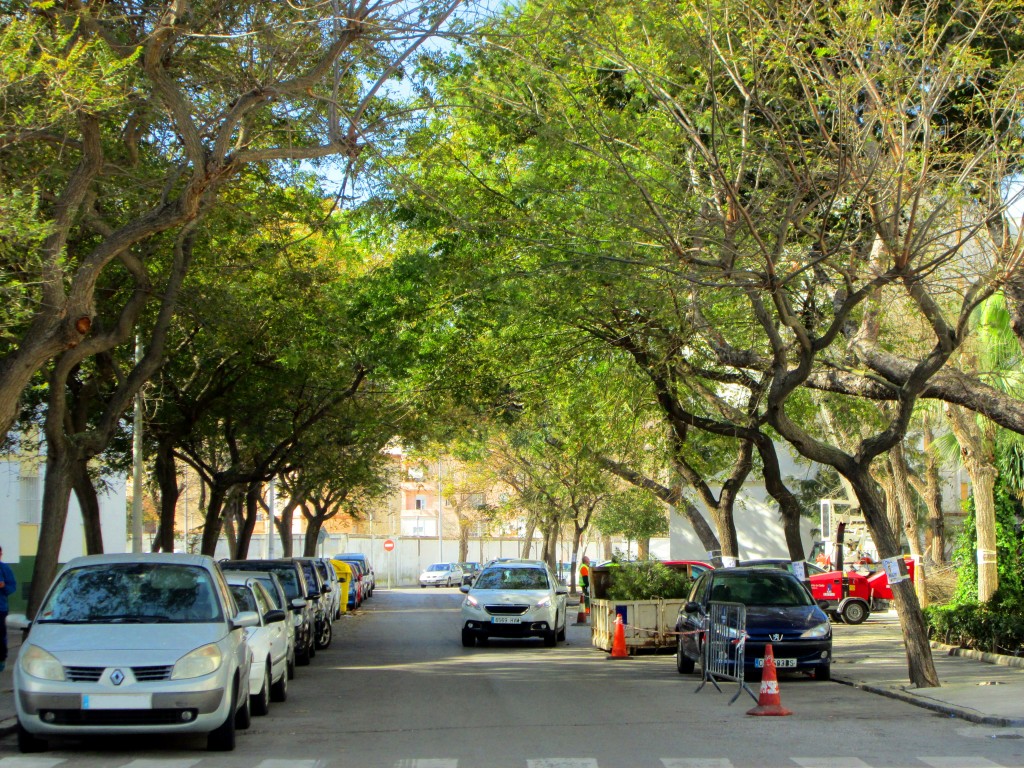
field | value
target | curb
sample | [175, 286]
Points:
[934, 706]
[8, 726]
[988, 658]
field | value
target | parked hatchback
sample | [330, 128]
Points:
[779, 610]
[268, 642]
[441, 575]
[516, 598]
[134, 643]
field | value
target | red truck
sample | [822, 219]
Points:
[850, 596]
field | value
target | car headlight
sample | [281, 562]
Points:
[821, 630]
[472, 601]
[544, 602]
[39, 663]
[201, 661]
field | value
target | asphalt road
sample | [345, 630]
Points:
[398, 690]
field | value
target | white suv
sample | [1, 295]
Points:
[514, 598]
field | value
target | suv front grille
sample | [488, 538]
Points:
[507, 610]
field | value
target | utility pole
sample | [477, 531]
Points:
[272, 513]
[440, 540]
[137, 461]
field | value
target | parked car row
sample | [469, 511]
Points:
[168, 643]
[363, 579]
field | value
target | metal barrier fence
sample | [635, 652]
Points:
[722, 654]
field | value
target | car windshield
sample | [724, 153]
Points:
[511, 578]
[438, 567]
[136, 593]
[762, 587]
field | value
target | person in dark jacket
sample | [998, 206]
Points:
[8, 584]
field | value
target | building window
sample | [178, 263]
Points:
[29, 503]
[421, 502]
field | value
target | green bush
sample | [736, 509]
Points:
[996, 626]
[647, 580]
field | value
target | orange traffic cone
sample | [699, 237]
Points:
[619, 639]
[581, 614]
[769, 702]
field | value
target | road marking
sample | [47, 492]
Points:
[147, 762]
[429, 762]
[958, 762]
[277, 763]
[830, 762]
[30, 762]
[562, 762]
[696, 762]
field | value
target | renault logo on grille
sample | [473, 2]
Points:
[775, 638]
[117, 677]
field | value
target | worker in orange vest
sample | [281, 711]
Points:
[585, 582]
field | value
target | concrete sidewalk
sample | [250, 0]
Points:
[982, 688]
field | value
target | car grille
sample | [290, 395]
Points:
[93, 674]
[83, 674]
[152, 674]
[507, 610]
[119, 716]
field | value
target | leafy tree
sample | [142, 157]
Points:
[635, 514]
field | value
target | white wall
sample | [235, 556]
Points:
[22, 509]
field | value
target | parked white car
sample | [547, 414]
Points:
[441, 575]
[514, 598]
[279, 595]
[134, 643]
[268, 642]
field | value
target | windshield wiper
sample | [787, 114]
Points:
[129, 618]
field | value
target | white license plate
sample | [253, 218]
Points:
[778, 663]
[117, 701]
[504, 619]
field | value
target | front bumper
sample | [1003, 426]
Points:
[524, 628]
[809, 654]
[189, 706]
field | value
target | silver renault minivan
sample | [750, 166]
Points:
[135, 643]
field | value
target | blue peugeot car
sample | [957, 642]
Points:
[779, 610]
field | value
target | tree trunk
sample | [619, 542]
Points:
[166, 469]
[252, 505]
[56, 495]
[89, 505]
[284, 528]
[789, 504]
[643, 547]
[312, 538]
[464, 531]
[977, 447]
[214, 519]
[920, 665]
[531, 525]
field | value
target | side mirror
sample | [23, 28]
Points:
[245, 619]
[313, 596]
[18, 621]
[298, 604]
[823, 604]
[464, 588]
[562, 590]
[275, 616]
[692, 607]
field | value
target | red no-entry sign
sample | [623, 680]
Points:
[388, 545]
